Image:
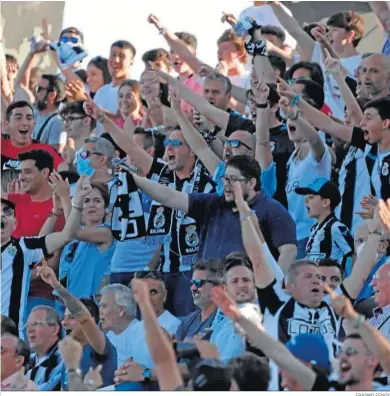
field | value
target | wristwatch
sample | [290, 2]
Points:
[147, 374]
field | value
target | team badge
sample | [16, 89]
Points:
[192, 238]
[385, 169]
[159, 219]
[272, 145]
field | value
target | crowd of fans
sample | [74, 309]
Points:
[199, 228]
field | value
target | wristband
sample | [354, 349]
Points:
[74, 371]
[262, 105]
[375, 233]
[208, 136]
[246, 215]
[162, 31]
[359, 322]
[53, 214]
[256, 48]
[74, 205]
[296, 117]
[295, 101]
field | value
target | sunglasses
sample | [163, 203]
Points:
[69, 257]
[293, 81]
[173, 143]
[235, 143]
[8, 212]
[71, 119]
[86, 154]
[201, 282]
[39, 88]
[73, 40]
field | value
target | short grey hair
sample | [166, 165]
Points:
[222, 79]
[292, 271]
[123, 297]
[52, 316]
[103, 146]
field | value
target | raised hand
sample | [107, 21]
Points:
[229, 18]
[238, 195]
[222, 68]
[47, 274]
[259, 87]
[341, 305]
[93, 379]
[71, 352]
[290, 111]
[226, 304]
[60, 186]
[92, 109]
[14, 187]
[205, 70]
[75, 91]
[331, 64]
[83, 188]
[284, 89]
[154, 21]
[175, 100]
[319, 33]
[140, 291]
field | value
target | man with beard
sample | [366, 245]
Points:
[19, 124]
[49, 127]
[375, 75]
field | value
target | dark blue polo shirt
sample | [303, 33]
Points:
[221, 229]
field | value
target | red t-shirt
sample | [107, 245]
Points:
[9, 153]
[30, 218]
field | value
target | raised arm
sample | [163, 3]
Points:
[78, 310]
[314, 116]
[253, 240]
[159, 345]
[215, 115]
[333, 65]
[316, 144]
[6, 91]
[164, 195]
[382, 11]
[177, 45]
[263, 154]
[194, 139]
[258, 338]
[304, 41]
[124, 140]
[366, 259]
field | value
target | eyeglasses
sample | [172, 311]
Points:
[8, 212]
[85, 154]
[173, 142]
[69, 257]
[235, 143]
[231, 180]
[39, 88]
[34, 325]
[350, 351]
[71, 119]
[65, 39]
[293, 81]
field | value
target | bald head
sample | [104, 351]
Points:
[381, 285]
[246, 145]
[245, 137]
[375, 75]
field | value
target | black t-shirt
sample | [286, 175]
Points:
[237, 122]
[282, 148]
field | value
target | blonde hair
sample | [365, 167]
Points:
[230, 36]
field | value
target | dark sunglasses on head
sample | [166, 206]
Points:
[293, 81]
[173, 142]
[86, 154]
[69, 257]
[148, 275]
[235, 143]
[73, 40]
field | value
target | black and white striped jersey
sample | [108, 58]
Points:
[18, 257]
[330, 239]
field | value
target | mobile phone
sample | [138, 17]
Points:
[242, 28]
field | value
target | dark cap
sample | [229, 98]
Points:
[324, 188]
[211, 375]
[7, 203]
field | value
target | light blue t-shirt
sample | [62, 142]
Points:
[301, 174]
[54, 131]
[267, 179]
[84, 266]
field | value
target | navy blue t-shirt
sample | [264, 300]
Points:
[221, 228]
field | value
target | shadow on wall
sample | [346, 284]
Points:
[22, 19]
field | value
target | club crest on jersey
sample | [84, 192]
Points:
[385, 169]
[12, 251]
[272, 145]
[192, 238]
[159, 219]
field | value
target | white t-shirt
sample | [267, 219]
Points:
[122, 342]
[332, 92]
[139, 347]
[301, 174]
[242, 81]
[107, 98]
[264, 15]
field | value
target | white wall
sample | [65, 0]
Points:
[127, 20]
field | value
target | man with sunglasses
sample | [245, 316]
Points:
[49, 127]
[72, 36]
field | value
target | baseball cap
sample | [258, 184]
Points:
[310, 348]
[211, 375]
[323, 187]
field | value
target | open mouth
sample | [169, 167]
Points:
[171, 157]
[344, 367]
[23, 131]
[315, 290]
[292, 128]
[68, 331]
[366, 133]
